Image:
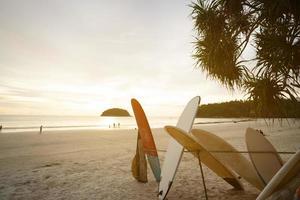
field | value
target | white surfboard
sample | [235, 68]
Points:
[282, 177]
[266, 164]
[174, 150]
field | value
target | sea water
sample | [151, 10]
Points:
[21, 123]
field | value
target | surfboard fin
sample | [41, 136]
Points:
[160, 193]
[234, 183]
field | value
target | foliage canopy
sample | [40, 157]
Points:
[226, 28]
[237, 109]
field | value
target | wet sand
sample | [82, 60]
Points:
[96, 164]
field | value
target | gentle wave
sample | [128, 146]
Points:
[25, 123]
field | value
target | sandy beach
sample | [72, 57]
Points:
[96, 164]
[78, 77]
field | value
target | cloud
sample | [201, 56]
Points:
[81, 57]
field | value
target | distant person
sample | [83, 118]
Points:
[41, 129]
[114, 125]
[0, 128]
[118, 125]
[260, 131]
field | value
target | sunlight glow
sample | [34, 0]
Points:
[66, 60]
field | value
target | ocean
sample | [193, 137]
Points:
[23, 123]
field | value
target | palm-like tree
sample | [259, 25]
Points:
[225, 28]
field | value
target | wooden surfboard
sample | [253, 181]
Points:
[139, 163]
[290, 169]
[234, 160]
[146, 138]
[266, 164]
[189, 143]
[174, 149]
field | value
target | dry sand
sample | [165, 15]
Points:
[96, 164]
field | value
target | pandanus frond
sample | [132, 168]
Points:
[267, 93]
[207, 18]
[276, 9]
[216, 49]
[278, 50]
[219, 59]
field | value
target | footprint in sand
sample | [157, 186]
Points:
[23, 183]
[47, 176]
[50, 165]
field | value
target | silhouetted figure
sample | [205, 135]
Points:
[118, 125]
[114, 125]
[0, 128]
[41, 129]
[261, 132]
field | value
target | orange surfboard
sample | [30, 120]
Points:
[145, 133]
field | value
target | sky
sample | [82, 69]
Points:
[74, 57]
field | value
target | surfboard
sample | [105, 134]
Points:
[174, 149]
[146, 138]
[189, 143]
[235, 161]
[266, 164]
[139, 163]
[282, 177]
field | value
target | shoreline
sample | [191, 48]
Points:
[131, 124]
[232, 121]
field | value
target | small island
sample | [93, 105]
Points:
[115, 112]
